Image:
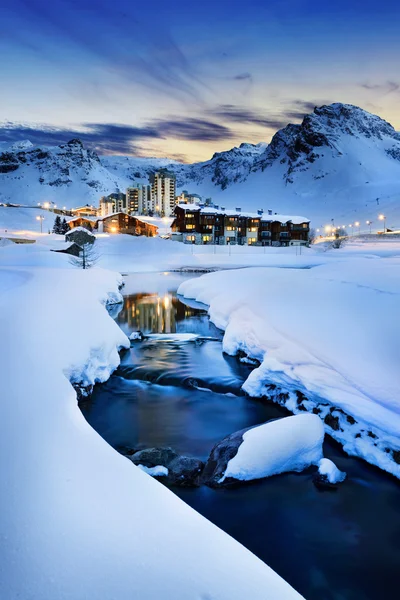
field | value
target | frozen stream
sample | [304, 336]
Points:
[339, 545]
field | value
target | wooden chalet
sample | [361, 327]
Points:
[121, 222]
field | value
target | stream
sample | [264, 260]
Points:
[330, 545]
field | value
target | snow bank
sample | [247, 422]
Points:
[288, 444]
[328, 469]
[77, 519]
[328, 338]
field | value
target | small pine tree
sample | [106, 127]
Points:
[57, 225]
[64, 226]
[87, 257]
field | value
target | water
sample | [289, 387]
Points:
[339, 545]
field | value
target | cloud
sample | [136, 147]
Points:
[240, 114]
[385, 88]
[104, 35]
[243, 77]
[107, 138]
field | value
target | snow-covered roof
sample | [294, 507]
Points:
[210, 210]
[80, 229]
[72, 219]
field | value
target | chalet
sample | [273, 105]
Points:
[195, 224]
[85, 211]
[82, 222]
[122, 223]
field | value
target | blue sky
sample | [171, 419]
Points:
[187, 79]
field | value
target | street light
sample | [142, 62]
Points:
[369, 223]
[357, 224]
[383, 218]
[41, 219]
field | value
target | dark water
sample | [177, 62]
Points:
[342, 545]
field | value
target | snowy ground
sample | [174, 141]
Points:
[78, 520]
[328, 339]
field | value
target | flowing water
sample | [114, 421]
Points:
[341, 545]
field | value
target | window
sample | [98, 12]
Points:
[265, 234]
[305, 225]
[206, 238]
[284, 234]
[252, 241]
[189, 215]
[252, 229]
[189, 226]
[230, 228]
[190, 238]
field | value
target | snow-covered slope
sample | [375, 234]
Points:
[341, 162]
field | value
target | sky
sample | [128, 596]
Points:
[186, 79]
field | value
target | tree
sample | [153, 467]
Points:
[64, 226]
[312, 236]
[57, 227]
[87, 258]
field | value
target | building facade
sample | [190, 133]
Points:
[163, 191]
[138, 200]
[211, 225]
[120, 222]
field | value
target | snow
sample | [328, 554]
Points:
[157, 471]
[288, 444]
[330, 332]
[240, 213]
[78, 520]
[328, 468]
[74, 229]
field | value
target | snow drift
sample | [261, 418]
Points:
[78, 520]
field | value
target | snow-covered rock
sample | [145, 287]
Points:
[327, 469]
[157, 471]
[288, 444]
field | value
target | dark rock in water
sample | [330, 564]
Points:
[153, 457]
[219, 457]
[332, 422]
[396, 456]
[322, 483]
[125, 450]
[137, 336]
[183, 471]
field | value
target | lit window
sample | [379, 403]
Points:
[305, 225]
[206, 238]
[190, 238]
[252, 229]
[230, 228]
[252, 241]
[189, 226]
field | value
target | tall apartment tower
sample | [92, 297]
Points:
[163, 191]
[138, 199]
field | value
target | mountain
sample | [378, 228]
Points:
[341, 162]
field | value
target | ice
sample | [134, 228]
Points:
[157, 471]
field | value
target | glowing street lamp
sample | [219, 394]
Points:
[41, 219]
[383, 218]
[46, 205]
[369, 223]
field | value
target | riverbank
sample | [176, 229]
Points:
[77, 519]
[327, 339]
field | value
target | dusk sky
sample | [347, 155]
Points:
[186, 79]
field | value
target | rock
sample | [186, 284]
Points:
[332, 422]
[322, 482]
[183, 471]
[136, 336]
[153, 457]
[219, 457]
